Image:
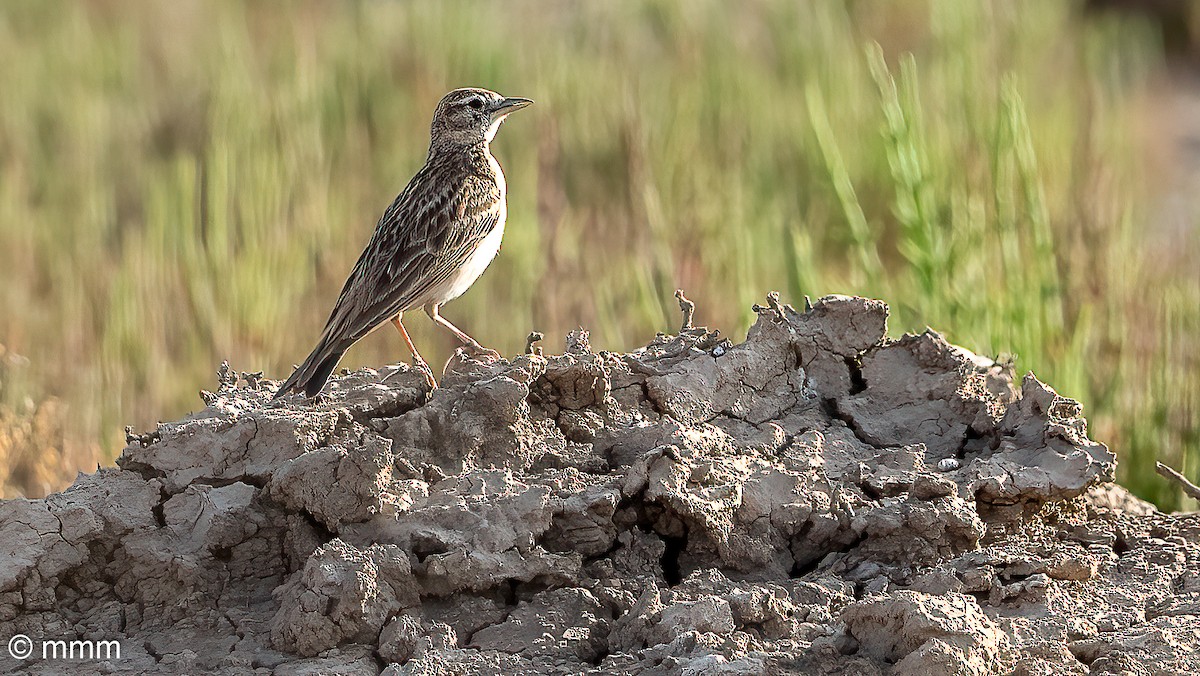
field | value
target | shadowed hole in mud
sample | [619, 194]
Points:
[1120, 545]
[160, 518]
[970, 435]
[512, 592]
[652, 519]
[870, 491]
[425, 545]
[256, 481]
[818, 554]
[323, 533]
[105, 552]
[799, 571]
[508, 591]
[830, 408]
[599, 658]
[1082, 653]
[857, 382]
[380, 663]
[672, 572]
[222, 553]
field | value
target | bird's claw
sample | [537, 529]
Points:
[475, 350]
[421, 366]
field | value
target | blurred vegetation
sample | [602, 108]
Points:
[183, 182]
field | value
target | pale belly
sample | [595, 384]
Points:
[458, 283]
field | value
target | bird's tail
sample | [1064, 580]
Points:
[312, 374]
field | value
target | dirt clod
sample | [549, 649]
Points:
[817, 499]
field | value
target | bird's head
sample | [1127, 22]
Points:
[468, 116]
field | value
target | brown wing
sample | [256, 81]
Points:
[428, 232]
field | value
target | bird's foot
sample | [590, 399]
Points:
[475, 351]
[420, 365]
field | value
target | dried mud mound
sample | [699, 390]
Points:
[818, 499]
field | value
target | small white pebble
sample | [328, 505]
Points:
[718, 351]
[948, 464]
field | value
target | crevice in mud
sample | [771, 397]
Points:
[655, 405]
[392, 409]
[508, 592]
[870, 491]
[512, 592]
[1120, 545]
[606, 554]
[829, 405]
[143, 470]
[798, 571]
[801, 364]
[971, 434]
[424, 546]
[648, 517]
[324, 535]
[250, 441]
[675, 545]
[256, 481]
[157, 510]
[857, 382]
[380, 663]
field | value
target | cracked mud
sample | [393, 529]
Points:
[818, 499]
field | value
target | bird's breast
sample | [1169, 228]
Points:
[479, 259]
[462, 277]
[498, 173]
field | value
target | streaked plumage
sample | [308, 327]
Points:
[432, 243]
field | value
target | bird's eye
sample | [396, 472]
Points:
[477, 104]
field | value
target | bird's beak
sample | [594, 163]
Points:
[505, 106]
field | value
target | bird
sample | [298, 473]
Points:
[437, 237]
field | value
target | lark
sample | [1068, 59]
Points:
[431, 244]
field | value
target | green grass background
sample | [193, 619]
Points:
[185, 182]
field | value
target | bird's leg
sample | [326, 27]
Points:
[418, 362]
[472, 346]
